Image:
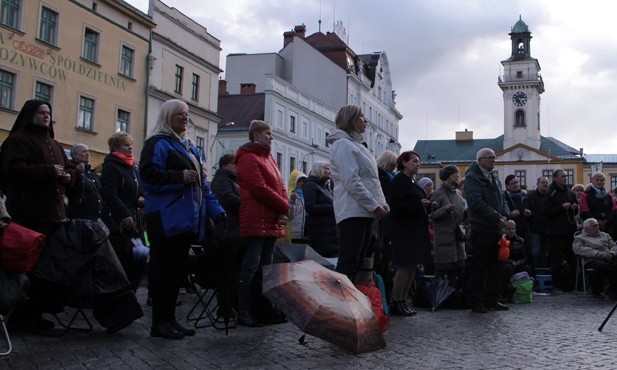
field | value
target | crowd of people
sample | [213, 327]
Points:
[351, 207]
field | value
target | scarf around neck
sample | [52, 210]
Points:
[599, 192]
[127, 159]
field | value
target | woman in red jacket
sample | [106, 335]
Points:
[263, 210]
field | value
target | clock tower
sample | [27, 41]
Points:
[522, 85]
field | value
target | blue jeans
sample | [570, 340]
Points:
[538, 244]
[259, 253]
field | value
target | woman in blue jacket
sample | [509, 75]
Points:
[178, 201]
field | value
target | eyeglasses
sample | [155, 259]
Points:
[181, 114]
[489, 157]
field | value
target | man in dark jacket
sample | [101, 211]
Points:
[487, 215]
[559, 208]
[538, 224]
[85, 200]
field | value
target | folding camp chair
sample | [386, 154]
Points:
[6, 336]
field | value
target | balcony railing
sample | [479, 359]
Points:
[525, 77]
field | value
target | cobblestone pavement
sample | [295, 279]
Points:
[554, 332]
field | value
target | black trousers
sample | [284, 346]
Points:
[484, 273]
[354, 238]
[168, 261]
[561, 249]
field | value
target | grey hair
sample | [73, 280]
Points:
[588, 222]
[76, 147]
[163, 122]
[318, 168]
[387, 161]
[482, 152]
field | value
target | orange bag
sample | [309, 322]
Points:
[20, 248]
[503, 253]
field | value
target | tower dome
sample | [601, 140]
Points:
[520, 26]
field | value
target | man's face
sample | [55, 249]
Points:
[593, 229]
[513, 185]
[561, 179]
[542, 185]
[487, 160]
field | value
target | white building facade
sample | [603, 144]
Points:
[304, 87]
[184, 65]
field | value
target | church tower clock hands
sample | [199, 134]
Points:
[522, 85]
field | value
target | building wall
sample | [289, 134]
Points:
[251, 68]
[62, 67]
[314, 74]
[178, 41]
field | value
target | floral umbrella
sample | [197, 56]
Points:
[323, 303]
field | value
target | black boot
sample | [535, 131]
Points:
[245, 317]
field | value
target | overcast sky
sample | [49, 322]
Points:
[445, 56]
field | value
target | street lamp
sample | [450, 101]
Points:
[231, 123]
[304, 157]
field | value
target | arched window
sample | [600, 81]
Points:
[519, 118]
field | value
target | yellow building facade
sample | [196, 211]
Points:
[89, 59]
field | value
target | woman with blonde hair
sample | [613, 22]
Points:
[596, 202]
[264, 210]
[178, 203]
[358, 198]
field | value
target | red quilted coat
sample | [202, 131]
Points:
[263, 197]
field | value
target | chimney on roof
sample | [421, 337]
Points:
[464, 135]
[222, 87]
[288, 36]
[247, 88]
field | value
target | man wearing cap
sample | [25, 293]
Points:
[487, 215]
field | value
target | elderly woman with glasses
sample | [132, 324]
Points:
[178, 203]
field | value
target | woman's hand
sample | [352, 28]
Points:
[381, 211]
[282, 220]
[127, 224]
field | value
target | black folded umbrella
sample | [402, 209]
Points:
[299, 252]
[438, 290]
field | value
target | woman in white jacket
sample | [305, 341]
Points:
[358, 198]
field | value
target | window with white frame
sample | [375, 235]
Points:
[521, 175]
[127, 61]
[179, 78]
[86, 113]
[195, 87]
[7, 89]
[48, 31]
[570, 176]
[43, 91]
[91, 45]
[292, 124]
[9, 13]
[123, 119]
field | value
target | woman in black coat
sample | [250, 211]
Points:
[35, 175]
[320, 226]
[123, 196]
[408, 229]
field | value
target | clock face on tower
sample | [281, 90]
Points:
[519, 98]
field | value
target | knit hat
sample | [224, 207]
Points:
[424, 181]
[447, 171]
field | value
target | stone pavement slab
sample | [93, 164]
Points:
[553, 332]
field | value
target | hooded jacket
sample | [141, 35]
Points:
[173, 207]
[357, 190]
[485, 201]
[28, 155]
[262, 192]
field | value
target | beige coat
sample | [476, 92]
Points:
[589, 246]
[446, 249]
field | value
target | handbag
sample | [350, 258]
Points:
[20, 248]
